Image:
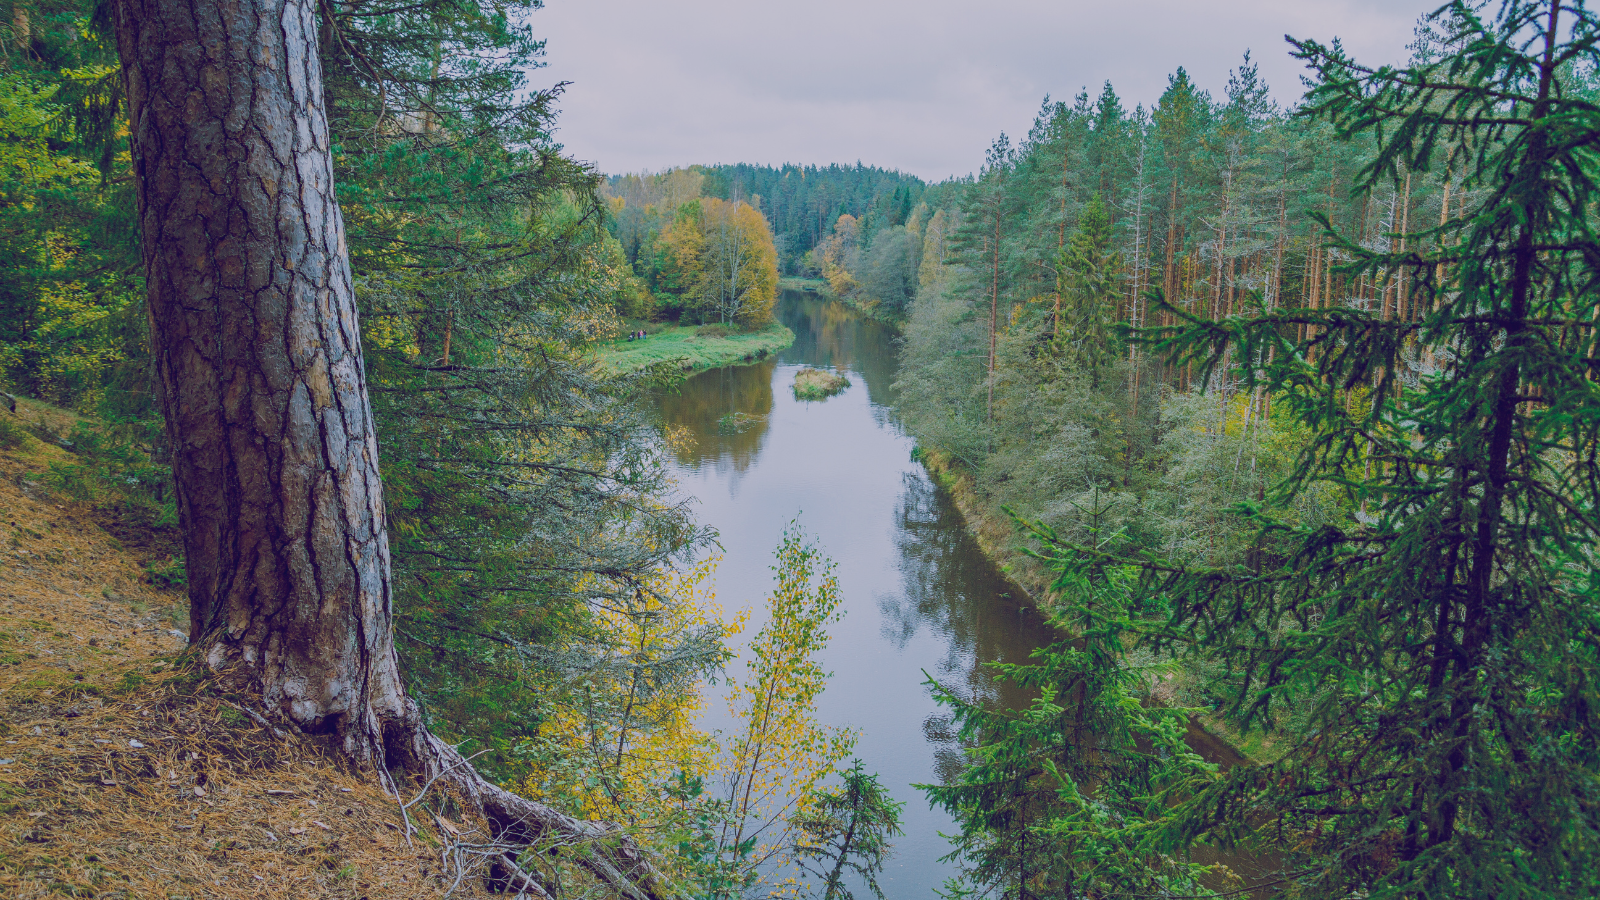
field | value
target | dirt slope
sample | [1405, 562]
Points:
[124, 772]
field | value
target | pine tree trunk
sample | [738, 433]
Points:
[253, 329]
[994, 312]
[254, 332]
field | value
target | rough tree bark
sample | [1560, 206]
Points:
[254, 334]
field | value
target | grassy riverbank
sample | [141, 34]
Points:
[809, 285]
[681, 344]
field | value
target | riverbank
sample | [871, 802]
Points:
[995, 532]
[690, 351]
[999, 539]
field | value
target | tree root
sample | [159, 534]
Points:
[602, 849]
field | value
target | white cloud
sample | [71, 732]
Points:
[923, 87]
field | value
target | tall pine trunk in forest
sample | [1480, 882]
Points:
[257, 349]
[253, 331]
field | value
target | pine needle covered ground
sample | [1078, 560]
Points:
[126, 772]
[681, 345]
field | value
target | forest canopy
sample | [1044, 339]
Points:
[1292, 413]
[1294, 410]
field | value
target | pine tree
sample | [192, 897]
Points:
[1088, 285]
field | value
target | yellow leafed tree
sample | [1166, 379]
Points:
[623, 731]
[739, 270]
[776, 751]
[840, 255]
[681, 248]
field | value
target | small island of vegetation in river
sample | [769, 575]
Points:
[818, 384]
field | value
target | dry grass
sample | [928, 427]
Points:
[126, 773]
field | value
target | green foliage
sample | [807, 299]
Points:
[1424, 655]
[847, 829]
[68, 281]
[1445, 638]
[1366, 546]
[1088, 286]
[1065, 797]
[169, 573]
[776, 753]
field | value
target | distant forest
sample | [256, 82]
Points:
[801, 203]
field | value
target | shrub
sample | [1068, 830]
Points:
[12, 435]
[816, 384]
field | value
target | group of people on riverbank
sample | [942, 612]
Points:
[636, 335]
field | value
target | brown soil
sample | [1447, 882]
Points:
[126, 772]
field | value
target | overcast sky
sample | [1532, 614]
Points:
[921, 86]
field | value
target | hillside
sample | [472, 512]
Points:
[126, 772]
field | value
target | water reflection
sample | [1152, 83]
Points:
[920, 599]
[726, 411]
[832, 335]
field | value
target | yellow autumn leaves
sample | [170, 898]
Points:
[624, 746]
[720, 253]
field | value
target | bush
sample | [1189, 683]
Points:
[714, 330]
[12, 435]
[170, 574]
[816, 384]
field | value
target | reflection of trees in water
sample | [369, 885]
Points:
[703, 403]
[952, 590]
[828, 333]
[939, 730]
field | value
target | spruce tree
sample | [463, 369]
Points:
[1427, 662]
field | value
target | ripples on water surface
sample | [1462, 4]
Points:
[918, 595]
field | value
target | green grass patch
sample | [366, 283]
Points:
[680, 346]
[169, 573]
[796, 283]
[13, 434]
[817, 384]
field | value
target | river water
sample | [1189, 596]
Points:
[920, 599]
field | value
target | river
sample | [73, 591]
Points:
[918, 594]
